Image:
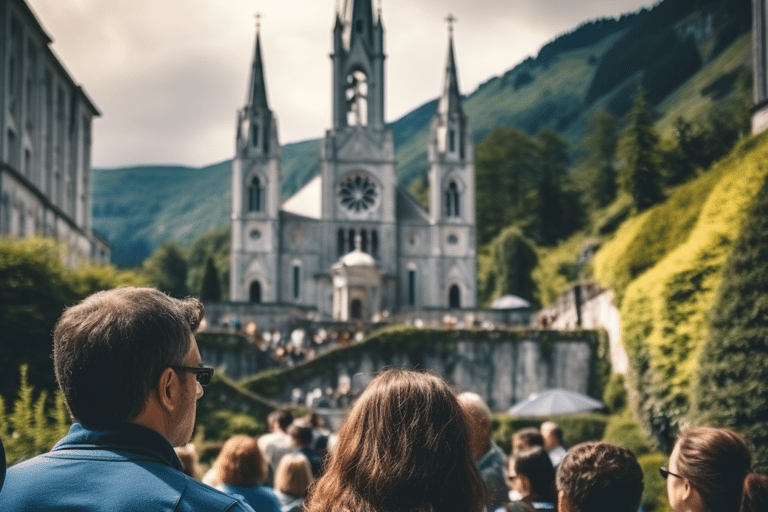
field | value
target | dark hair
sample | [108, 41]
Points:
[553, 428]
[302, 436]
[717, 462]
[600, 477]
[280, 417]
[537, 466]
[403, 447]
[109, 350]
[530, 436]
[241, 462]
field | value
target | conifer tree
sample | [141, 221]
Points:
[731, 386]
[514, 259]
[211, 290]
[642, 178]
[167, 269]
[602, 143]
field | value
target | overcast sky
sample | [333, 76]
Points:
[169, 75]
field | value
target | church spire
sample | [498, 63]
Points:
[450, 101]
[362, 22]
[257, 89]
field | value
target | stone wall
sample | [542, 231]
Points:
[504, 367]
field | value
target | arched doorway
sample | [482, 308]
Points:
[454, 297]
[254, 294]
[356, 309]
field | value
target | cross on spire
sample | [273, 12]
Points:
[451, 19]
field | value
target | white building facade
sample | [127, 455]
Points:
[45, 140]
[352, 242]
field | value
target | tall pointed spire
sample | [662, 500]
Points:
[257, 89]
[450, 101]
[361, 22]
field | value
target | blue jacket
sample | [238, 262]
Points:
[125, 467]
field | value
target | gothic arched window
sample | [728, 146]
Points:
[452, 200]
[255, 195]
[357, 98]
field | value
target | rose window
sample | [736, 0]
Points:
[358, 193]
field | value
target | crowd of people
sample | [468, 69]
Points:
[129, 368]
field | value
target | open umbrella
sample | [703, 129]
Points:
[554, 402]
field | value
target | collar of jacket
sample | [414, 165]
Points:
[134, 441]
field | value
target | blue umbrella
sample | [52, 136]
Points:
[555, 402]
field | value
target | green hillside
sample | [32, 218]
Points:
[685, 64]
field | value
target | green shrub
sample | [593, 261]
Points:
[731, 382]
[654, 497]
[615, 394]
[622, 429]
[577, 428]
[665, 310]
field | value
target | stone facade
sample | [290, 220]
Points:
[45, 140]
[295, 253]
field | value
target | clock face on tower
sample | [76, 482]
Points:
[358, 193]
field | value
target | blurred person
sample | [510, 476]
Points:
[187, 454]
[404, 446]
[599, 477]
[301, 437]
[490, 459]
[241, 469]
[292, 482]
[710, 470]
[532, 477]
[526, 438]
[552, 435]
[277, 442]
[127, 363]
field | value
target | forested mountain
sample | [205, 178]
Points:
[686, 54]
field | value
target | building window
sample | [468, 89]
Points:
[255, 195]
[340, 243]
[255, 234]
[452, 200]
[255, 133]
[364, 240]
[411, 287]
[351, 241]
[374, 243]
[452, 140]
[357, 98]
[296, 281]
[254, 294]
[454, 297]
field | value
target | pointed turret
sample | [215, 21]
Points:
[450, 101]
[257, 88]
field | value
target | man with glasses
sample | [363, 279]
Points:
[128, 365]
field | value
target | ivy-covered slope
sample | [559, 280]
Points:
[665, 266]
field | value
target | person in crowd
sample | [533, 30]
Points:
[599, 477]
[532, 477]
[277, 442]
[241, 469]
[187, 454]
[552, 435]
[490, 459]
[710, 470]
[301, 437]
[404, 446]
[526, 438]
[316, 423]
[292, 482]
[130, 371]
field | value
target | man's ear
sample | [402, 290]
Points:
[563, 504]
[167, 388]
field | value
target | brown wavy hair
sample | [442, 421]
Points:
[241, 462]
[403, 447]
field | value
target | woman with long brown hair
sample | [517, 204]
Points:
[404, 447]
[710, 470]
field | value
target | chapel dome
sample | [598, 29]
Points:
[357, 258]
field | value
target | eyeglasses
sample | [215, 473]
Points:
[665, 473]
[203, 374]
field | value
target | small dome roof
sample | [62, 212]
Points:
[358, 258]
[510, 302]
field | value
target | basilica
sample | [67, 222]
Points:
[352, 243]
